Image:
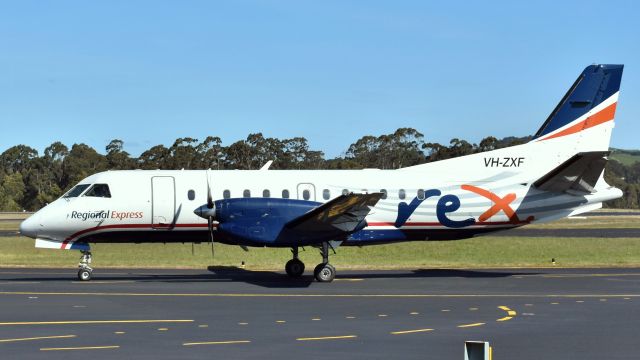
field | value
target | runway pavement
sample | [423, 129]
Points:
[231, 313]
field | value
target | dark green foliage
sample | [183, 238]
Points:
[29, 181]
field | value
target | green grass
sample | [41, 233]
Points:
[478, 252]
[592, 222]
[626, 157]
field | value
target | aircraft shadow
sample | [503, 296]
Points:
[273, 279]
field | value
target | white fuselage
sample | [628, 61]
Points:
[158, 205]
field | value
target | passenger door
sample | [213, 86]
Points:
[163, 202]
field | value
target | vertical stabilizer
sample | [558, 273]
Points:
[590, 101]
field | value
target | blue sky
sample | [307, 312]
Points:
[148, 72]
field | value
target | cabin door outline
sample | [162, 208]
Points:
[163, 202]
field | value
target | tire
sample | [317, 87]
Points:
[84, 275]
[324, 273]
[294, 268]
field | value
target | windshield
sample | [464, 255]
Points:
[99, 190]
[76, 191]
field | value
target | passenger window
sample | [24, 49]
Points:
[226, 194]
[384, 193]
[345, 192]
[266, 193]
[285, 194]
[402, 194]
[306, 195]
[76, 191]
[191, 195]
[421, 194]
[99, 190]
[326, 194]
[246, 193]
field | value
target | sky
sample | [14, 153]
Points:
[148, 72]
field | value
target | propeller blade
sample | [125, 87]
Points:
[209, 197]
[210, 223]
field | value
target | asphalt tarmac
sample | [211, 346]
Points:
[224, 313]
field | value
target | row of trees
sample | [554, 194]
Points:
[29, 180]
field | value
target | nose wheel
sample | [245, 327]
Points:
[85, 272]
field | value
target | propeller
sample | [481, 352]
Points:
[211, 213]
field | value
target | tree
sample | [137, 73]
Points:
[392, 151]
[117, 158]
[11, 192]
[183, 154]
[211, 153]
[17, 158]
[81, 162]
[155, 158]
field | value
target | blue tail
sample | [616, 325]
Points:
[596, 84]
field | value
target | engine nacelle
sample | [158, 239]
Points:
[258, 220]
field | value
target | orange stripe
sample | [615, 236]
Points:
[598, 118]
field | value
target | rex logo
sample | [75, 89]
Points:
[450, 203]
[499, 203]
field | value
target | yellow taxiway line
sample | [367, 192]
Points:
[81, 348]
[328, 338]
[92, 322]
[217, 342]
[37, 338]
[409, 331]
[510, 313]
[470, 325]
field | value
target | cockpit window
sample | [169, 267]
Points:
[76, 191]
[99, 190]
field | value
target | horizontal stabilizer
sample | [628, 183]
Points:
[344, 214]
[578, 174]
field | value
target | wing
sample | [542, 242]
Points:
[338, 217]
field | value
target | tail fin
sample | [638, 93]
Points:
[590, 101]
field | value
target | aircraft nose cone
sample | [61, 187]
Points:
[29, 227]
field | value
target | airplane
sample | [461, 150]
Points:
[557, 174]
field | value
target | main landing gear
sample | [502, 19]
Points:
[85, 272]
[323, 272]
[294, 267]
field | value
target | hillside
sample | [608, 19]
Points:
[625, 157]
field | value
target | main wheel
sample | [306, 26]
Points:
[84, 275]
[294, 268]
[324, 273]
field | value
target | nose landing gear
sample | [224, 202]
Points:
[85, 272]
